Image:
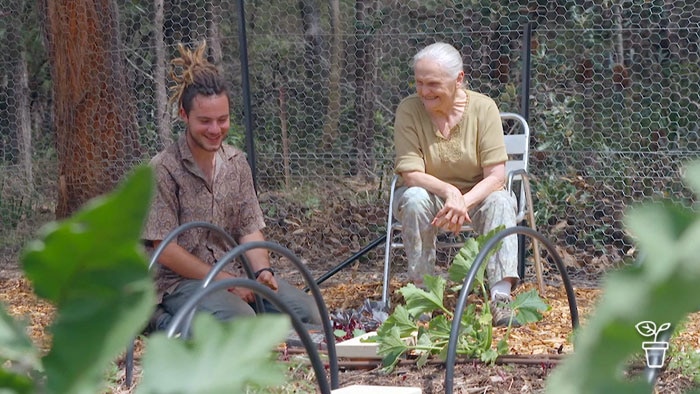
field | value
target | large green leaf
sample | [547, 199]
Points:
[391, 346]
[16, 346]
[658, 229]
[692, 176]
[528, 307]
[14, 383]
[18, 356]
[464, 258]
[221, 357]
[93, 268]
[425, 301]
[400, 319]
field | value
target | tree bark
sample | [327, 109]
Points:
[18, 111]
[330, 127]
[313, 97]
[94, 111]
[159, 74]
[365, 94]
[213, 34]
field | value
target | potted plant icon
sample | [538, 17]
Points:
[656, 350]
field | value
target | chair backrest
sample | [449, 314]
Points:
[517, 140]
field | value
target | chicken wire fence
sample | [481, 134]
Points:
[611, 87]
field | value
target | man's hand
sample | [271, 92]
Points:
[268, 279]
[245, 293]
[265, 278]
[260, 260]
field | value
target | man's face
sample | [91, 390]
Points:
[208, 122]
[434, 86]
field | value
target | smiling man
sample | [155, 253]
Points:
[200, 178]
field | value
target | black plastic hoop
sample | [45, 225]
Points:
[182, 320]
[469, 282]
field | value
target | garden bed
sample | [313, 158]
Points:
[535, 349]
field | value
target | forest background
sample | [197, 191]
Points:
[611, 91]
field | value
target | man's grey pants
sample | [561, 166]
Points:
[415, 208]
[225, 305]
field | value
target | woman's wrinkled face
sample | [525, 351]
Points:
[208, 122]
[435, 87]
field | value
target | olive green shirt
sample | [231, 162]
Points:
[474, 143]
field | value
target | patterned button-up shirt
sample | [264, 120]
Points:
[184, 195]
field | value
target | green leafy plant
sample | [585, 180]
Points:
[92, 268]
[351, 323]
[662, 287]
[688, 362]
[408, 331]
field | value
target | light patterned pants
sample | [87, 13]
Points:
[415, 208]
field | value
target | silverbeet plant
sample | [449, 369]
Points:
[421, 327]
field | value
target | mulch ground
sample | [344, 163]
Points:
[539, 346]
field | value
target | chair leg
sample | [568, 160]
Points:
[387, 266]
[521, 252]
[535, 243]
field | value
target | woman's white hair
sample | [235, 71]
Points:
[444, 54]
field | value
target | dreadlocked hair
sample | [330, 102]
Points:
[193, 75]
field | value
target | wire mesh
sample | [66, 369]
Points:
[613, 105]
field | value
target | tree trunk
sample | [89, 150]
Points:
[159, 74]
[365, 94]
[213, 34]
[94, 111]
[18, 112]
[285, 135]
[313, 96]
[330, 128]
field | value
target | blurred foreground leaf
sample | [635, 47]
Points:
[662, 288]
[92, 267]
[221, 357]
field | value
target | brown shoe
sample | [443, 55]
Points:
[502, 313]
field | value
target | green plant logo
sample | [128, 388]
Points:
[655, 350]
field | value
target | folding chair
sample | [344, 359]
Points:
[517, 141]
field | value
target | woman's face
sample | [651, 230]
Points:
[435, 87]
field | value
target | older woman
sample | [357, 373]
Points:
[450, 154]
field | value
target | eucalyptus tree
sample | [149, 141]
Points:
[94, 118]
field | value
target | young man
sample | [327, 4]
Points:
[200, 178]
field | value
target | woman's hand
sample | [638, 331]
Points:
[453, 214]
